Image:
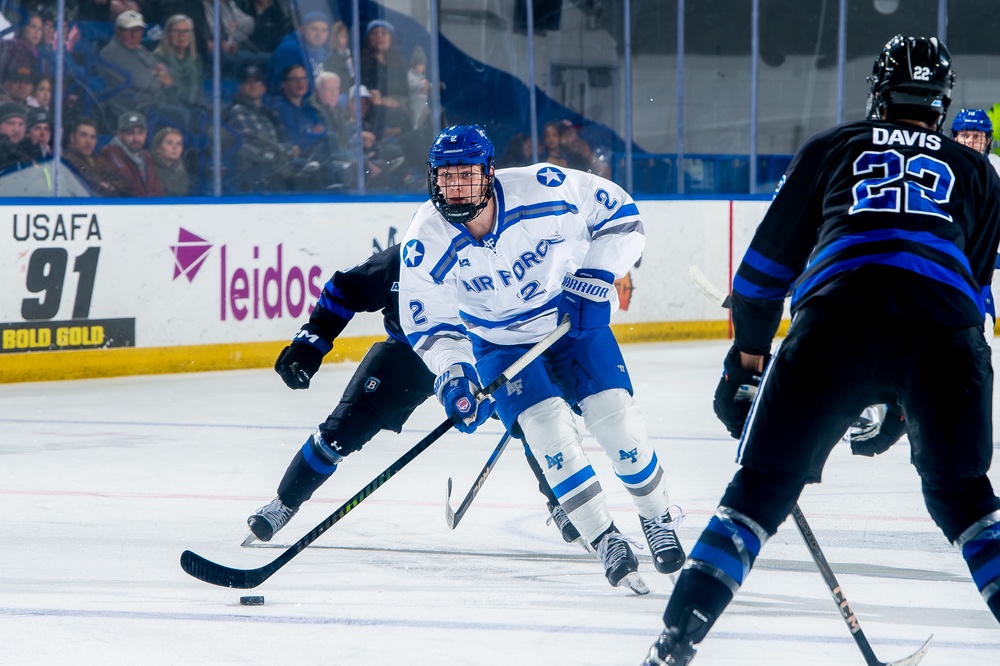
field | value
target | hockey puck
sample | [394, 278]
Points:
[252, 601]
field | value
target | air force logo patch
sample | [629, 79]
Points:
[413, 253]
[555, 461]
[550, 176]
[629, 455]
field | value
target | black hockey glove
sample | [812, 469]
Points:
[872, 439]
[735, 393]
[299, 361]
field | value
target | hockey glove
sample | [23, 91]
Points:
[456, 388]
[870, 437]
[585, 298]
[299, 361]
[735, 393]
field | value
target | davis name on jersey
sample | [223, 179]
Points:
[550, 222]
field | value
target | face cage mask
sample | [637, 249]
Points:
[458, 213]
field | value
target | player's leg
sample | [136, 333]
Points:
[390, 382]
[785, 445]
[532, 405]
[595, 371]
[951, 438]
[556, 513]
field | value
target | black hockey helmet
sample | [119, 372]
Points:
[913, 72]
[458, 145]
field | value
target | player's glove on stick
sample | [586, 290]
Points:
[456, 388]
[735, 393]
[299, 361]
[871, 439]
[586, 299]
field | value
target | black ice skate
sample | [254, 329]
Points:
[670, 650]
[620, 564]
[668, 555]
[562, 521]
[269, 519]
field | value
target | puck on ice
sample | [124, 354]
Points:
[252, 601]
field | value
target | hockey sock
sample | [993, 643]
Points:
[716, 568]
[311, 466]
[981, 550]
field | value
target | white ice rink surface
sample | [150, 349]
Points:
[105, 482]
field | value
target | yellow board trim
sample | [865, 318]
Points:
[84, 364]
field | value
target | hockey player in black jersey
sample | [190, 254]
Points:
[390, 382]
[888, 217]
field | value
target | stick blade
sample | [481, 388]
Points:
[449, 513]
[223, 576]
[914, 658]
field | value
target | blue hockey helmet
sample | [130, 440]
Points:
[458, 145]
[973, 120]
[912, 76]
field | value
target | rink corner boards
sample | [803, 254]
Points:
[83, 364]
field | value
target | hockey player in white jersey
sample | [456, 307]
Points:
[489, 266]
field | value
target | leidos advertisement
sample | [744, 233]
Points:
[153, 276]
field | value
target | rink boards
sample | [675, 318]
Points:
[136, 288]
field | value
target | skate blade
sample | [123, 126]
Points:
[586, 546]
[634, 582]
[249, 540]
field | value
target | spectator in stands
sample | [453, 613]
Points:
[23, 49]
[41, 98]
[305, 128]
[383, 159]
[578, 152]
[419, 86]
[266, 159]
[39, 132]
[146, 82]
[383, 72]
[306, 47]
[236, 49]
[340, 61]
[331, 106]
[551, 146]
[19, 85]
[81, 142]
[134, 172]
[178, 53]
[272, 21]
[168, 151]
[14, 148]
[518, 152]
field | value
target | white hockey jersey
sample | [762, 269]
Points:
[505, 288]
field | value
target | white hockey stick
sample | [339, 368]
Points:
[707, 287]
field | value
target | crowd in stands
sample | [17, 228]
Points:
[136, 112]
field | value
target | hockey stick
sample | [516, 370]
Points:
[841, 600]
[452, 516]
[218, 574]
[707, 287]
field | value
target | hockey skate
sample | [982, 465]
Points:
[569, 532]
[670, 650]
[668, 555]
[268, 520]
[620, 564]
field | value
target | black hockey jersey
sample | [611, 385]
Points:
[887, 216]
[368, 287]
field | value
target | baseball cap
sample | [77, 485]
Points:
[37, 117]
[380, 23]
[251, 72]
[314, 16]
[364, 91]
[129, 19]
[131, 119]
[22, 73]
[10, 110]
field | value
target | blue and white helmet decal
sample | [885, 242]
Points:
[550, 176]
[413, 253]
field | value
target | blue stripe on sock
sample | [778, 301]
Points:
[574, 481]
[313, 460]
[750, 539]
[718, 559]
[640, 477]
